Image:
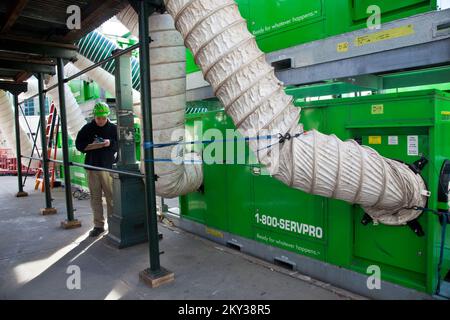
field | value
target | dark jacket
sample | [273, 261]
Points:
[103, 157]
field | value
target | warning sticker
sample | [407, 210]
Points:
[378, 109]
[343, 47]
[445, 115]
[385, 35]
[214, 233]
[413, 145]
[375, 140]
[393, 140]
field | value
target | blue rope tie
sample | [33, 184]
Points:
[281, 139]
[150, 145]
[172, 161]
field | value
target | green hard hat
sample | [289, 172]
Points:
[101, 109]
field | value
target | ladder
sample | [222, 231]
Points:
[51, 133]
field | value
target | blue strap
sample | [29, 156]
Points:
[445, 218]
[445, 221]
[171, 161]
[281, 139]
[149, 145]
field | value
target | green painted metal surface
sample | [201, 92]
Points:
[84, 91]
[280, 24]
[242, 200]
[78, 176]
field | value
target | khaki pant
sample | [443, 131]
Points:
[100, 182]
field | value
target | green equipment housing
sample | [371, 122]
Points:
[280, 24]
[77, 175]
[242, 207]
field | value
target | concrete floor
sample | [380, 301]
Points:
[35, 254]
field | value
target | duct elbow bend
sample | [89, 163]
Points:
[254, 98]
[190, 181]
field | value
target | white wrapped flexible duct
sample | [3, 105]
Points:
[106, 80]
[8, 131]
[251, 94]
[31, 89]
[75, 118]
[168, 86]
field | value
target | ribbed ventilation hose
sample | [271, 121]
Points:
[168, 89]
[106, 81]
[168, 97]
[7, 119]
[313, 162]
[96, 47]
[75, 118]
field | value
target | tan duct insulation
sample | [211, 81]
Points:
[254, 98]
[168, 88]
[8, 130]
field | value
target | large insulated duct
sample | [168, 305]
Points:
[254, 98]
[8, 131]
[106, 80]
[75, 118]
[168, 88]
[96, 47]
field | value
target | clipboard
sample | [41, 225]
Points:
[94, 146]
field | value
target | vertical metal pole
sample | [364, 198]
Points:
[48, 197]
[65, 140]
[125, 117]
[127, 223]
[21, 193]
[150, 194]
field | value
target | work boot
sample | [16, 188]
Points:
[96, 232]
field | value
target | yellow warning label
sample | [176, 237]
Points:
[378, 109]
[214, 233]
[375, 140]
[385, 35]
[445, 115]
[343, 47]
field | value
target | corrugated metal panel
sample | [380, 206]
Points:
[39, 10]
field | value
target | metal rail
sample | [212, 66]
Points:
[95, 65]
[359, 57]
[86, 166]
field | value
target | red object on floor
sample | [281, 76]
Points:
[8, 164]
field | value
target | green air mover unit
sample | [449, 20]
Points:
[280, 24]
[242, 207]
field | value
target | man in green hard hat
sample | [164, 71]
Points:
[98, 140]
